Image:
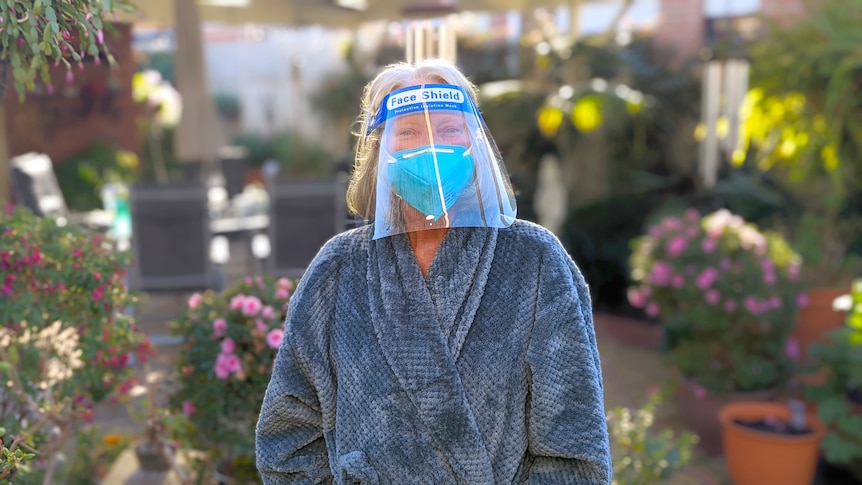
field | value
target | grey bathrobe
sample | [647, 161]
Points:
[484, 372]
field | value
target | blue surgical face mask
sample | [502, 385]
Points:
[413, 176]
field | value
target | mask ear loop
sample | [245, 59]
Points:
[436, 165]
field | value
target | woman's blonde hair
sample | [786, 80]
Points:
[362, 190]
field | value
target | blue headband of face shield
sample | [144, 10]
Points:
[414, 99]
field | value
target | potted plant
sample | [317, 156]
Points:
[230, 340]
[66, 341]
[726, 295]
[770, 442]
[839, 397]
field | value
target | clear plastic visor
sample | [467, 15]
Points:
[437, 165]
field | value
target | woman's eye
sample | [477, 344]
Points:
[452, 130]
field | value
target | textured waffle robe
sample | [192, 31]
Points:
[485, 371]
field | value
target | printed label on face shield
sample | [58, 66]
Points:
[431, 97]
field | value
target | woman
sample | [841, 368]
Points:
[446, 343]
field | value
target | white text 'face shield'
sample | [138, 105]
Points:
[438, 166]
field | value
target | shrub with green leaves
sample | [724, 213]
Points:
[230, 340]
[839, 399]
[643, 455]
[66, 339]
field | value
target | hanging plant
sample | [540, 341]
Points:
[38, 34]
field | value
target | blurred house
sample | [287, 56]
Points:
[687, 26]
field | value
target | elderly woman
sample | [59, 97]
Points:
[447, 342]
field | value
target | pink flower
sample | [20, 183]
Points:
[671, 223]
[769, 278]
[98, 293]
[228, 346]
[706, 278]
[221, 369]
[226, 364]
[236, 302]
[195, 301]
[273, 338]
[791, 349]
[691, 232]
[636, 297]
[282, 293]
[219, 327]
[285, 283]
[655, 232]
[729, 306]
[708, 245]
[248, 280]
[692, 214]
[712, 296]
[793, 271]
[752, 305]
[188, 408]
[775, 302]
[802, 300]
[261, 325]
[267, 312]
[677, 280]
[652, 309]
[660, 274]
[699, 392]
[676, 245]
[251, 306]
[725, 264]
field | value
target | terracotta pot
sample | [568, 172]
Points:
[818, 318]
[698, 411]
[758, 457]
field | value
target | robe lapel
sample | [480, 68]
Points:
[457, 278]
[409, 331]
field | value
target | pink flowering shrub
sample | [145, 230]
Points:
[230, 340]
[66, 340]
[727, 295]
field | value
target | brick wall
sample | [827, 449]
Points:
[95, 106]
[681, 27]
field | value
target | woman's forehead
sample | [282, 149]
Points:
[434, 116]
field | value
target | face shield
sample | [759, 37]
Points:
[438, 166]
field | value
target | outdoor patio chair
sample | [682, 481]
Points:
[303, 216]
[171, 238]
[34, 185]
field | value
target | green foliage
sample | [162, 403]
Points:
[296, 155]
[227, 106]
[643, 455]
[66, 338]
[801, 123]
[230, 340]
[840, 397]
[259, 148]
[34, 34]
[82, 176]
[726, 294]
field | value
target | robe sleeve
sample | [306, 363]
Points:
[289, 440]
[567, 427]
